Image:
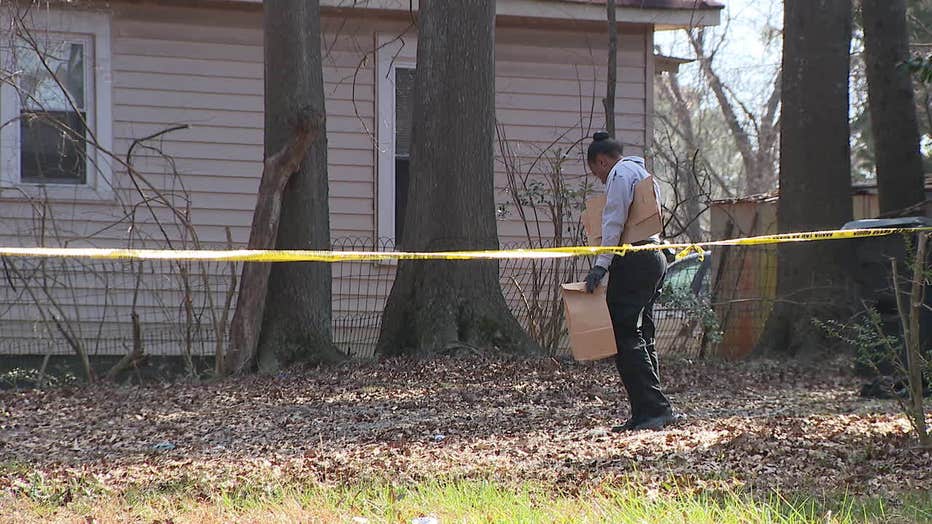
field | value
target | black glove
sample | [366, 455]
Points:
[596, 274]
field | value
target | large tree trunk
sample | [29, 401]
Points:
[254, 281]
[815, 172]
[296, 324]
[441, 305]
[900, 179]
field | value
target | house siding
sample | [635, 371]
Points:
[203, 68]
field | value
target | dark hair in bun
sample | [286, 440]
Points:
[603, 144]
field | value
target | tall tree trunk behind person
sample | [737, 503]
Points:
[441, 305]
[900, 178]
[815, 171]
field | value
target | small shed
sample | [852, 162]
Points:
[744, 278]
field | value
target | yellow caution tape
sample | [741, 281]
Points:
[699, 250]
[245, 255]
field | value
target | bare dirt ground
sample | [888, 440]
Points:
[758, 425]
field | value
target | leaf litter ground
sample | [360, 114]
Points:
[758, 425]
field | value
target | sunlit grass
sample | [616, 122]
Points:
[452, 501]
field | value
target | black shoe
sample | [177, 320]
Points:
[627, 426]
[670, 418]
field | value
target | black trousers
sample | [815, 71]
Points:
[635, 281]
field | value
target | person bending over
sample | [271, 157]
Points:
[635, 281]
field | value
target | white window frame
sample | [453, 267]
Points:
[94, 30]
[389, 57]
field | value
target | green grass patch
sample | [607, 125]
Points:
[191, 500]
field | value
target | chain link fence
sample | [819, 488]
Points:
[711, 303]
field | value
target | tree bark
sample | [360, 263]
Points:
[250, 305]
[297, 316]
[815, 172]
[611, 83]
[900, 177]
[436, 306]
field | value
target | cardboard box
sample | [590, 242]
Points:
[644, 217]
[588, 322]
[591, 219]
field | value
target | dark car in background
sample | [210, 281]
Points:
[684, 301]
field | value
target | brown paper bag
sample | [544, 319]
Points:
[588, 321]
[644, 216]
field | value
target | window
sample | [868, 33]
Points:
[404, 109]
[681, 275]
[395, 72]
[53, 113]
[56, 100]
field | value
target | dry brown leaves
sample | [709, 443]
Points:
[762, 425]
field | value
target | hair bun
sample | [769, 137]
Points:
[600, 136]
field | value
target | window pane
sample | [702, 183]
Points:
[404, 108]
[681, 276]
[401, 194]
[39, 89]
[51, 87]
[53, 147]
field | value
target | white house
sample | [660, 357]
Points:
[133, 69]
